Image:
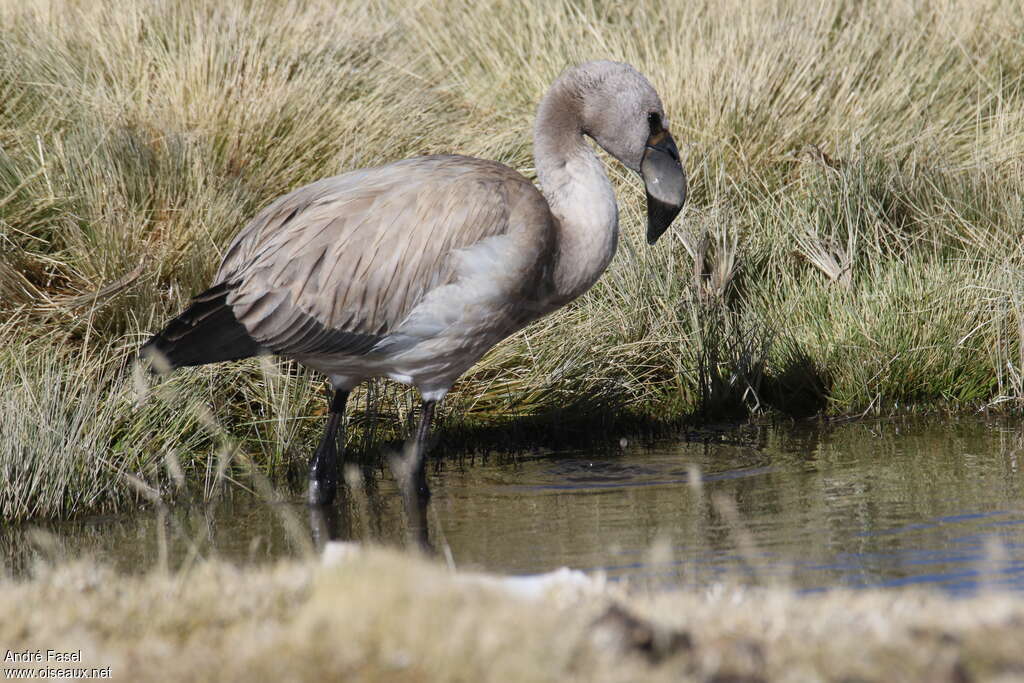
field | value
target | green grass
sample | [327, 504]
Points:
[853, 242]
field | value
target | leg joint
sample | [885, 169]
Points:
[338, 400]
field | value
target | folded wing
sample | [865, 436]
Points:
[336, 266]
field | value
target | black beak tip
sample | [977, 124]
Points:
[659, 217]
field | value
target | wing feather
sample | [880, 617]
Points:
[336, 266]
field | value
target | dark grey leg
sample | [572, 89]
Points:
[422, 436]
[410, 472]
[323, 466]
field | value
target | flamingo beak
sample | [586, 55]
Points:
[665, 182]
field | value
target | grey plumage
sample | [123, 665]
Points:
[375, 241]
[415, 269]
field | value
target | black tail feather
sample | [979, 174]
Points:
[207, 332]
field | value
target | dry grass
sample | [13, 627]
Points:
[853, 242]
[388, 617]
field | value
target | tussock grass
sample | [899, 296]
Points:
[853, 241]
[382, 616]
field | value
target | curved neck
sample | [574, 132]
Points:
[577, 190]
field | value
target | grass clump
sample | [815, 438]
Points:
[853, 241]
[382, 616]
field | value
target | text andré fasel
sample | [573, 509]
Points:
[43, 656]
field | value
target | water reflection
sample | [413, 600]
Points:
[860, 504]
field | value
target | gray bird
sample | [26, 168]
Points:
[415, 269]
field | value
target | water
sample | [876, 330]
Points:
[923, 502]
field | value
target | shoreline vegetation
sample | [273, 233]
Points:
[853, 242]
[364, 617]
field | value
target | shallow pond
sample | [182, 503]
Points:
[889, 503]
